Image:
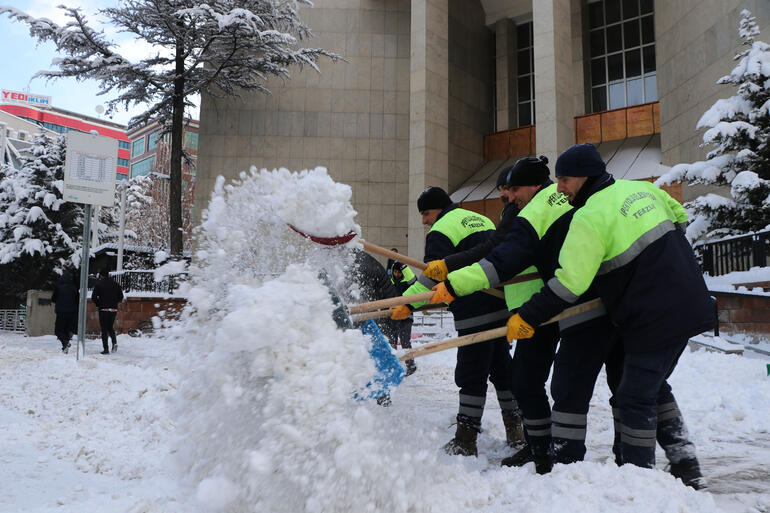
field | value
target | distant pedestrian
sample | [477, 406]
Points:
[106, 296]
[66, 296]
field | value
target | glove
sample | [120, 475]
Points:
[518, 329]
[436, 270]
[441, 293]
[400, 312]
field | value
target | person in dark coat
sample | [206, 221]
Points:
[66, 296]
[374, 284]
[106, 296]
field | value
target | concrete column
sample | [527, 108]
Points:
[505, 74]
[429, 108]
[554, 106]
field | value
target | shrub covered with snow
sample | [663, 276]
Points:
[737, 128]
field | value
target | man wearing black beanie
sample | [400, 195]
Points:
[537, 231]
[626, 240]
[454, 229]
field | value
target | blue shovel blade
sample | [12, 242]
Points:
[390, 373]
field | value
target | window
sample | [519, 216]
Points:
[525, 74]
[191, 140]
[56, 128]
[137, 147]
[152, 141]
[120, 176]
[124, 145]
[143, 167]
[122, 162]
[622, 47]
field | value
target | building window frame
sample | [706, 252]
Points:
[525, 74]
[149, 162]
[137, 147]
[621, 41]
[152, 141]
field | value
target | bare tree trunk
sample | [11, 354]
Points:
[177, 138]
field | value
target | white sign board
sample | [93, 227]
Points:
[89, 169]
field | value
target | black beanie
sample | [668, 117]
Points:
[580, 160]
[529, 171]
[502, 178]
[433, 197]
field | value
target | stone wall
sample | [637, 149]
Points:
[136, 313]
[695, 41]
[743, 313]
[352, 117]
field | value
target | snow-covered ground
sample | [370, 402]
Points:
[246, 404]
[98, 435]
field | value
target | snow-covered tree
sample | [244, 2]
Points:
[738, 129]
[40, 233]
[147, 216]
[221, 47]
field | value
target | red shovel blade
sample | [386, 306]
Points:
[337, 240]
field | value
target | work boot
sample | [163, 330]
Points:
[105, 352]
[689, 472]
[411, 367]
[114, 347]
[464, 442]
[514, 430]
[519, 459]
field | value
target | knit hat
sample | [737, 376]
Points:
[529, 171]
[433, 197]
[580, 160]
[502, 178]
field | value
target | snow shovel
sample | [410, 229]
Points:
[390, 372]
[413, 262]
[483, 336]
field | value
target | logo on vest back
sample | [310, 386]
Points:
[556, 198]
[473, 222]
[633, 198]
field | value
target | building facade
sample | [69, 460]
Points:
[151, 154]
[447, 92]
[39, 110]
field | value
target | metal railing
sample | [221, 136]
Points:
[730, 254]
[13, 320]
[144, 281]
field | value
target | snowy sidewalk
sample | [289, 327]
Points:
[95, 435]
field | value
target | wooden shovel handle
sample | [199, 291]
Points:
[379, 314]
[398, 257]
[483, 336]
[391, 301]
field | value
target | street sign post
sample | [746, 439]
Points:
[89, 178]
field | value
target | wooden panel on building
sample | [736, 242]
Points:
[533, 140]
[613, 124]
[520, 142]
[640, 120]
[477, 206]
[588, 129]
[492, 209]
[496, 146]
[656, 117]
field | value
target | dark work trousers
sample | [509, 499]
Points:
[532, 362]
[106, 320]
[646, 407]
[405, 333]
[583, 350]
[65, 326]
[477, 363]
